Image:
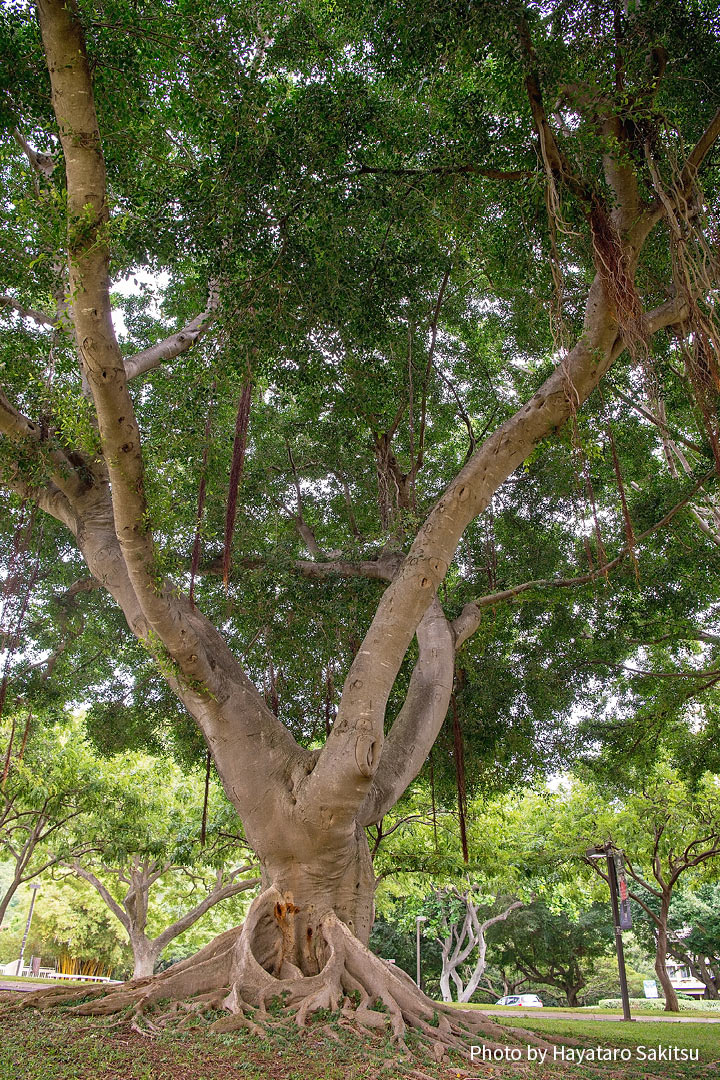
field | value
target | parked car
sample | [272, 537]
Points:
[521, 999]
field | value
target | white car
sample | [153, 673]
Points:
[521, 999]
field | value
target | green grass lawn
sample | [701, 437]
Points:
[643, 1041]
[57, 1046]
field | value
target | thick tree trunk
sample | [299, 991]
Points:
[317, 871]
[703, 972]
[5, 902]
[144, 957]
[302, 943]
[671, 999]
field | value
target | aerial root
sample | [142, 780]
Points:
[245, 973]
[48, 997]
[372, 997]
[238, 1021]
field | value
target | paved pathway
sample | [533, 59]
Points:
[26, 985]
[659, 1017]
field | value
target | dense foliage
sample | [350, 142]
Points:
[359, 418]
[364, 187]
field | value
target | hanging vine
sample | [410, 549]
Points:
[627, 520]
[695, 263]
[242, 423]
[206, 799]
[459, 759]
[433, 803]
[195, 560]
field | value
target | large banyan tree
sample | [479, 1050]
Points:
[369, 262]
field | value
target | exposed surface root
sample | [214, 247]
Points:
[247, 973]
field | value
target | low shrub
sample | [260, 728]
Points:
[686, 1004]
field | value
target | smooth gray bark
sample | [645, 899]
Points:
[464, 946]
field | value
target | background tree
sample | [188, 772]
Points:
[154, 836]
[71, 930]
[692, 938]
[554, 949]
[668, 828]
[511, 864]
[342, 238]
[695, 938]
[464, 943]
[46, 794]
[602, 981]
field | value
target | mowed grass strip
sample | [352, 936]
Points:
[56, 1046]
[654, 1048]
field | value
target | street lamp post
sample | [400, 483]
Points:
[622, 919]
[34, 886]
[419, 919]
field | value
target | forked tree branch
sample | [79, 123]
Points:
[19, 429]
[699, 152]
[178, 343]
[116, 908]
[88, 215]
[382, 569]
[353, 749]
[219, 893]
[416, 726]
[43, 164]
[645, 412]
[38, 317]
[556, 161]
[202, 670]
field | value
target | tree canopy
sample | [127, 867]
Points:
[362, 364]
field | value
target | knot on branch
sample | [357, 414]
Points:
[367, 754]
